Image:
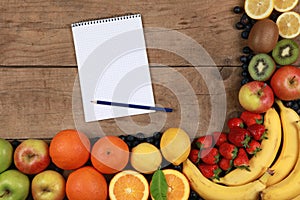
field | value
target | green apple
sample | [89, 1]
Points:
[14, 185]
[6, 154]
[48, 185]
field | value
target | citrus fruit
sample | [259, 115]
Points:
[178, 185]
[110, 154]
[86, 183]
[69, 149]
[175, 145]
[145, 158]
[129, 185]
[258, 9]
[289, 24]
[285, 5]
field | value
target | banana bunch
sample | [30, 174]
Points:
[271, 176]
[284, 184]
[210, 190]
[260, 163]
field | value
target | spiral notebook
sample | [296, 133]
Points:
[112, 66]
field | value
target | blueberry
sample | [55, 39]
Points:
[237, 9]
[178, 167]
[244, 81]
[157, 135]
[140, 136]
[245, 66]
[245, 34]
[135, 143]
[245, 19]
[130, 138]
[248, 27]
[295, 106]
[298, 111]
[122, 137]
[15, 143]
[247, 50]
[239, 26]
[249, 57]
[244, 59]
[245, 73]
[150, 140]
[288, 103]
[156, 143]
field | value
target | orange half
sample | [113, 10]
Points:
[129, 185]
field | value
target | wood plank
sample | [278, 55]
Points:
[38, 32]
[39, 102]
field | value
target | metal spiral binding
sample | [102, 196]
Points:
[99, 21]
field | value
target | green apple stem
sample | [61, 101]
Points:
[5, 193]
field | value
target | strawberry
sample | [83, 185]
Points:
[219, 138]
[204, 142]
[239, 136]
[258, 131]
[250, 118]
[241, 160]
[232, 122]
[254, 147]
[228, 150]
[194, 155]
[225, 164]
[210, 171]
[210, 155]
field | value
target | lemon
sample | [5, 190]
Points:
[145, 158]
[289, 24]
[259, 9]
[175, 145]
[285, 5]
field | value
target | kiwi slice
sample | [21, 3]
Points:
[261, 67]
[285, 52]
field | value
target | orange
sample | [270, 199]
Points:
[129, 185]
[285, 5]
[110, 154]
[289, 24]
[178, 185]
[86, 183]
[259, 9]
[69, 149]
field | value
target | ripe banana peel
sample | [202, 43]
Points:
[213, 191]
[287, 188]
[290, 147]
[259, 164]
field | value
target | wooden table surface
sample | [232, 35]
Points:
[39, 89]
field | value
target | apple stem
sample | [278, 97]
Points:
[261, 89]
[292, 80]
[6, 192]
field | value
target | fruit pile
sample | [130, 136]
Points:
[270, 28]
[220, 153]
[73, 166]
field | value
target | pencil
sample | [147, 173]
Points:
[131, 105]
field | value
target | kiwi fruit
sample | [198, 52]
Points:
[261, 67]
[285, 52]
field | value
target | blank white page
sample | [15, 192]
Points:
[112, 66]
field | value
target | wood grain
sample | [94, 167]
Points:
[38, 32]
[39, 102]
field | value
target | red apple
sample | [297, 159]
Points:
[256, 97]
[32, 156]
[286, 83]
[48, 185]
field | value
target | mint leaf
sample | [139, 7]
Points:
[159, 186]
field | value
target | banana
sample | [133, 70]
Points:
[259, 164]
[209, 190]
[288, 188]
[296, 198]
[290, 147]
